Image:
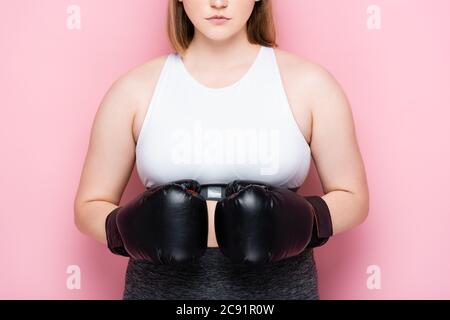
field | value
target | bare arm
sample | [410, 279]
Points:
[109, 160]
[336, 153]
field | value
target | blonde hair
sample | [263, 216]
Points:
[260, 26]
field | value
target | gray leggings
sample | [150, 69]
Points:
[214, 277]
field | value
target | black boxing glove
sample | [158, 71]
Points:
[257, 223]
[166, 224]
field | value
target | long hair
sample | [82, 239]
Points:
[260, 26]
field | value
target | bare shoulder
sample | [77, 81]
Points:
[141, 78]
[135, 89]
[309, 79]
[296, 67]
[147, 70]
[306, 73]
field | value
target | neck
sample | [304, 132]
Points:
[227, 53]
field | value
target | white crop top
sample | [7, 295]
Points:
[216, 135]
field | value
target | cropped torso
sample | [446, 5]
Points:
[187, 129]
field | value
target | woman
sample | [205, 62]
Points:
[226, 105]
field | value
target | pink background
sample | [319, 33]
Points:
[397, 79]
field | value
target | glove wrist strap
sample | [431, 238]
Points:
[113, 237]
[323, 228]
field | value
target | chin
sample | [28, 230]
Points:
[219, 35]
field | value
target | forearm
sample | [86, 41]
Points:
[90, 218]
[347, 209]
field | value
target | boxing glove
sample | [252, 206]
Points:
[166, 224]
[257, 223]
